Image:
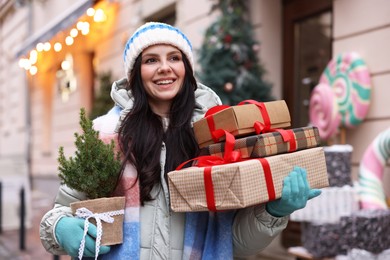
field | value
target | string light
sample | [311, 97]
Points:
[23, 63]
[57, 47]
[83, 26]
[33, 70]
[85, 31]
[40, 47]
[99, 16]
[74, 32]
[65, 65]
[79, 25]
[90, 11]
[69, 40]
[27, 65]
[46, 46]
[33, 56]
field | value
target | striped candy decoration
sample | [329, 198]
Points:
[371, 193]
[350, 80]
[323, 111]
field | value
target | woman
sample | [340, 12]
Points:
[155, 108]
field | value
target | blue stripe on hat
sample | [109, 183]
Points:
[151, 27]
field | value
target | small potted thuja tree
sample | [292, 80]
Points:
[94, 170]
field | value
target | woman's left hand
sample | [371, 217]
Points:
[295, 194]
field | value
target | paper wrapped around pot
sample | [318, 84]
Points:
[242, 184]
[103, 207]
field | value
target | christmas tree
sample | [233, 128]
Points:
[95, 167]
[228, 56]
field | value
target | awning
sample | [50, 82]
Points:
[63, 21]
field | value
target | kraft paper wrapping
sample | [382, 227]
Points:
[239, 120]
[112, 232]
[242, 184]
[268, 144]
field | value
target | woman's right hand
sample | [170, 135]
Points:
[295, 194]
[69, 232]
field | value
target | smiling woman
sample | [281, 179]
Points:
[156, 105]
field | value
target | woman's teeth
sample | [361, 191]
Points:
[163, 82]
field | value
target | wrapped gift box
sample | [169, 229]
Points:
[368, 230]
[338, 162]
[323, 240]
[360, 254]
[239, 120]
[268, 144]
[242, 184]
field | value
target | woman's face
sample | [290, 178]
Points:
[162, 72]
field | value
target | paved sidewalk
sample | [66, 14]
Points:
[10, 239]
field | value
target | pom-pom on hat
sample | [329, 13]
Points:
[152, 33]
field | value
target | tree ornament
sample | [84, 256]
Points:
[248, 64]
[228, 87]
[228, 38]
[213, 39]
[256, 47]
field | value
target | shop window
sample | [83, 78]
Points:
[66, 80]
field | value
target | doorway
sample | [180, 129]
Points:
[307, 48]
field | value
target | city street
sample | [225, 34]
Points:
[10, 240]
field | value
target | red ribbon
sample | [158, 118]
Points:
[209, 187]
[269, 182]
[230, 155]
[288, 136]
[210, 120]
[259, 127]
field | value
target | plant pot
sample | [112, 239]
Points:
[112, 232]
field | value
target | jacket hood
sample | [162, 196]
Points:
[205, 98]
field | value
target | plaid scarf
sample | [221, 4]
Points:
[208, 235]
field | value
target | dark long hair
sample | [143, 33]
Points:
[141, 134]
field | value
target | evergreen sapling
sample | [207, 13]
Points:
[95, 167]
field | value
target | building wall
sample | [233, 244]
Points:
[12, 88]
[14, 124]
[364, 27]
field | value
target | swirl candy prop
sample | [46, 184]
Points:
[371, 168]
[323, 111]
[348, 76]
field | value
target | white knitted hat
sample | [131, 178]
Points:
[152, 33]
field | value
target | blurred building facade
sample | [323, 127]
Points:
[52, 51]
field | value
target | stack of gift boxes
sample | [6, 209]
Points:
[333, 225]
[246, 151]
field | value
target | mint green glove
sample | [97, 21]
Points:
[69, 232]
[295, 193]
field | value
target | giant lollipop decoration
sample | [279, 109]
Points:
[323, 111]
[348, 76]
[371, 170]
